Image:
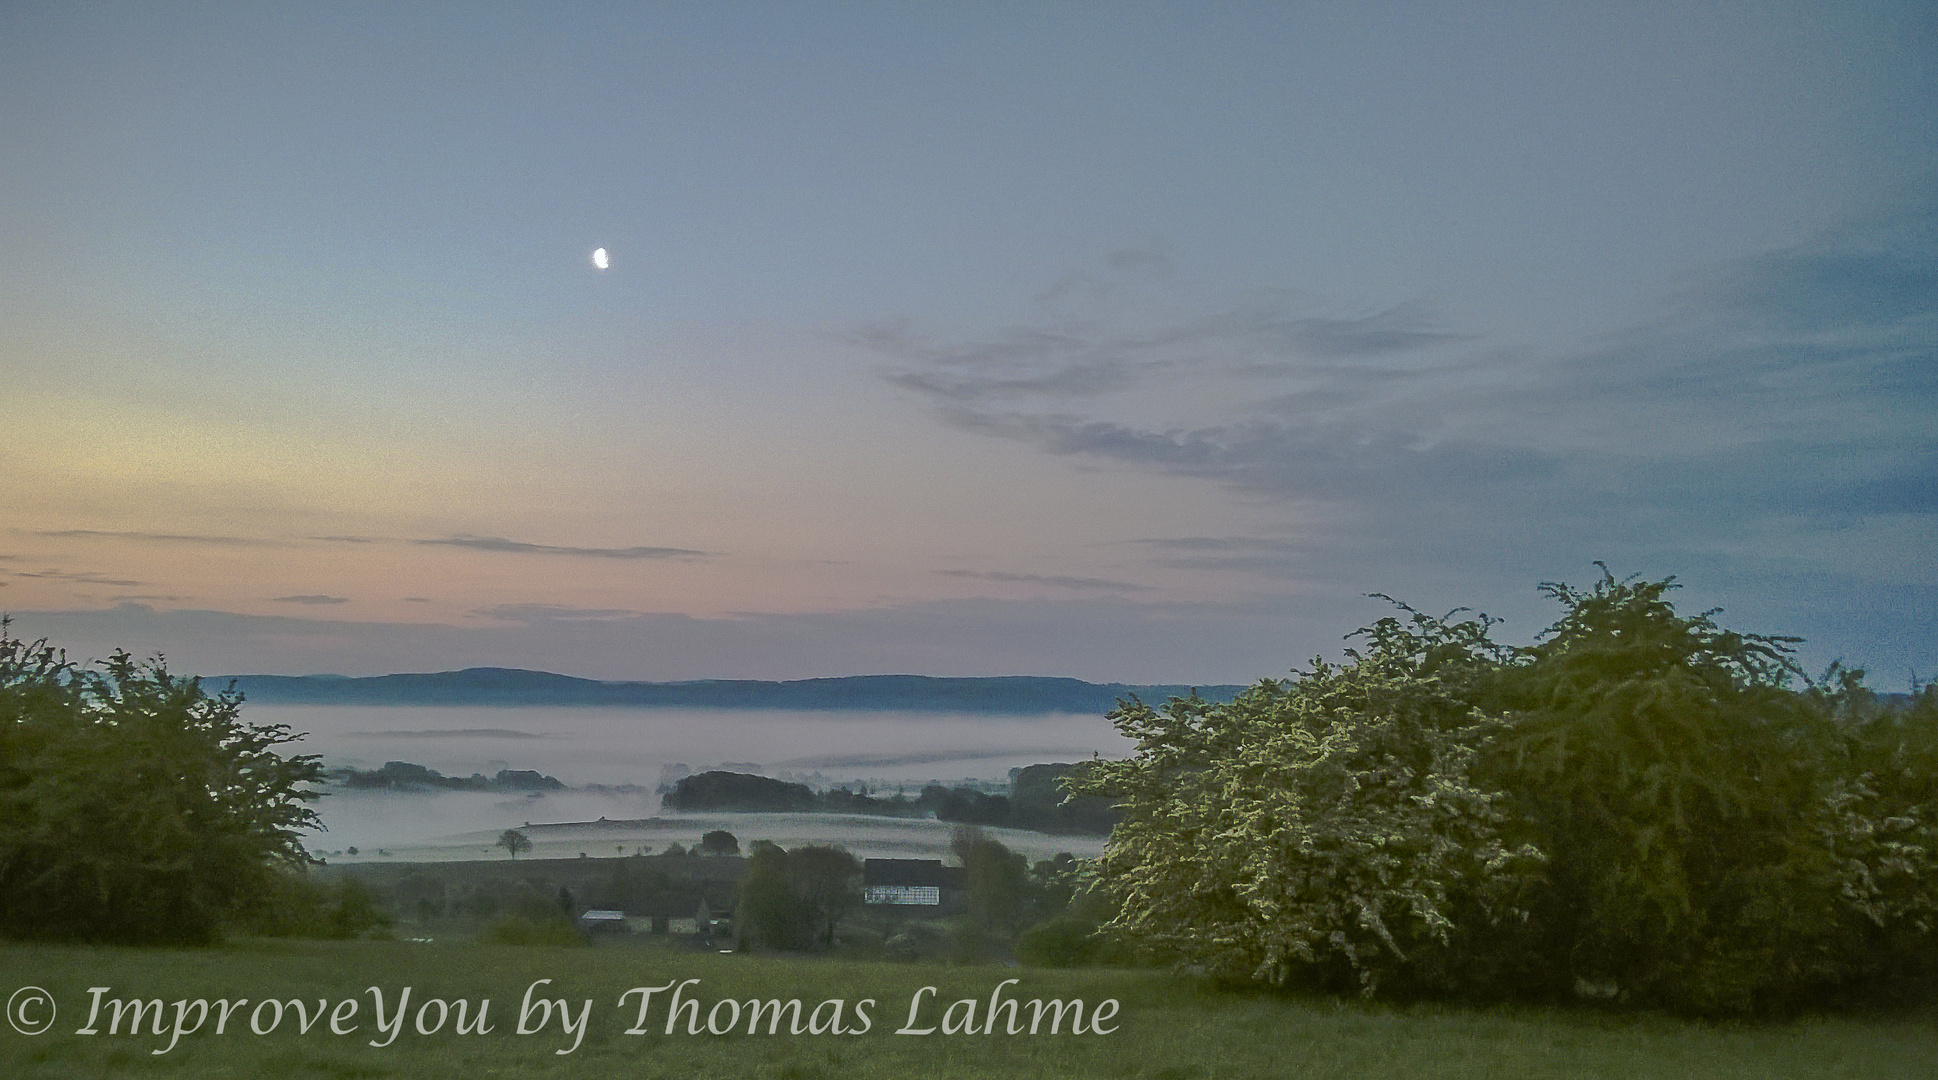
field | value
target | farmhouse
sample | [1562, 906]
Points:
[917, 883]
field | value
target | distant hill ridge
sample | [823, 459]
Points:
[1010, 694]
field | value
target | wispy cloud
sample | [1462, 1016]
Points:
[84, 577]
[312, 598]
[153, 537]
[519, 547]
[1095, 335]
[1790, 395]
[533, 613]
[1061, 581]
[1273, 557]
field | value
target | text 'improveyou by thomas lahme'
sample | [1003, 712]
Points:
[677, 1007]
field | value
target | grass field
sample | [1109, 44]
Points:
[1166, 1026]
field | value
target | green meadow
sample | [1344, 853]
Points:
[1164, 1026]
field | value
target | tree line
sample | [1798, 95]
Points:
[1037, 800]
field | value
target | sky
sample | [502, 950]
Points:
[1130, 342]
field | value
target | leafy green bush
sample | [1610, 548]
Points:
[1323, 825]
[1065, 941]
[1879, 821]
[1640, 804]
[134, 806]
[1678, 784]
[298, 905]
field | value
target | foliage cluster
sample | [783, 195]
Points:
[134, 806]
[535, 915]
[717, 790]
[298, 905]
[1037, 800]
[1040, 800]
[406, 776]
[1640, 805]
[794, 899]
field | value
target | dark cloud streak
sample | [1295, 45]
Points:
[85, 577]
[519, 547]
[149, 537]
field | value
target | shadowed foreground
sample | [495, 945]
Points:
[1166, 1026]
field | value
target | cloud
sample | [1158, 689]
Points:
[1268, 556]
[519, 547]
[1058, 580]
[415, 599]
[1767, 432]
[1396, 330]
[530, 613]
[1789, 395]
[1101, 638]
[1097, 336]
[85, 577]
[1872, 271]
[150, 537]
[312, 598]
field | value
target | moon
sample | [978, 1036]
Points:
[600, 259]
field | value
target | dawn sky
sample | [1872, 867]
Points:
[1125, 342]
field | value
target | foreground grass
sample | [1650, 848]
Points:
[1167, 1027]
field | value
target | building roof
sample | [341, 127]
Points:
[910, 872]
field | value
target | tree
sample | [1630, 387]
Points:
[514, 842]
[995, 878]
[719, 842]
[795, 899]
[771, 911]
[829, 881]
[134, 806]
